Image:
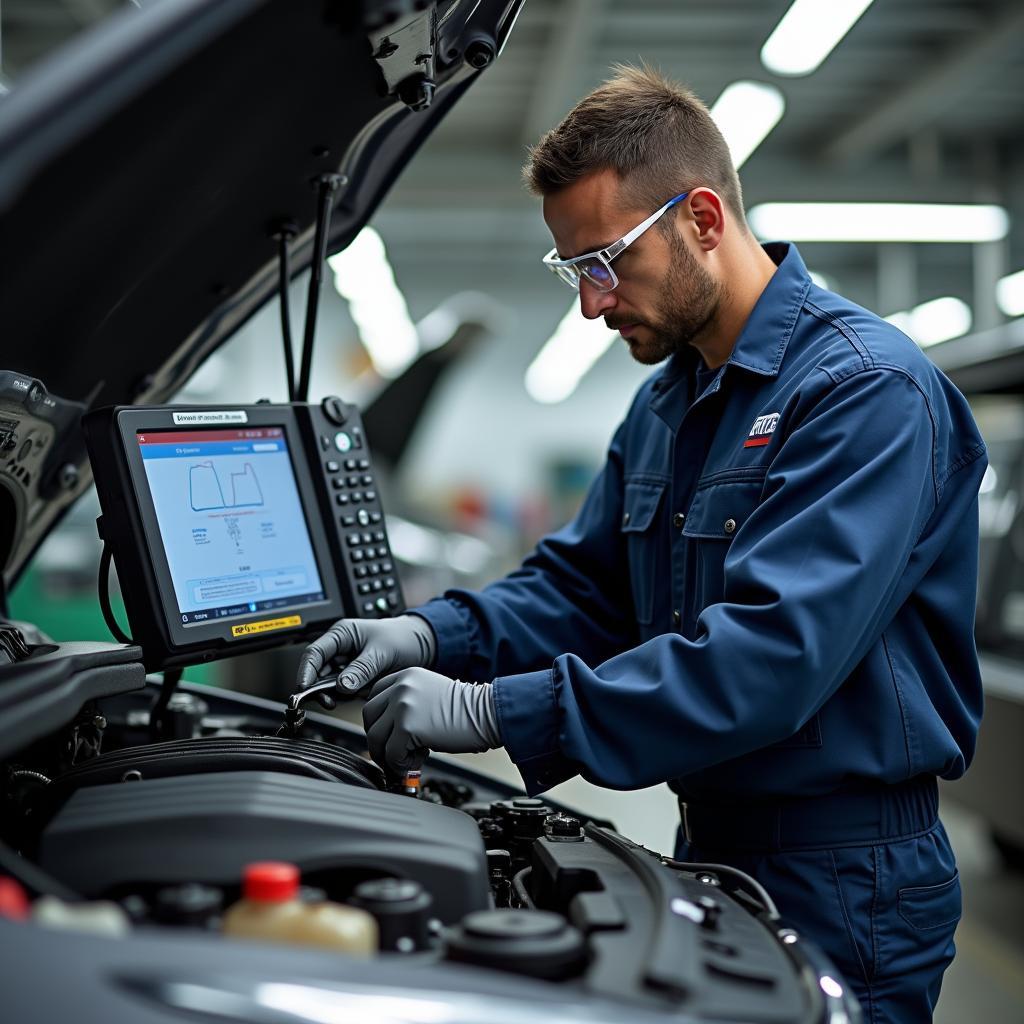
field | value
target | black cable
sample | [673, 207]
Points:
[741, 879]
[172, 676]
[284, 235]
[103, 586]
[328, 185]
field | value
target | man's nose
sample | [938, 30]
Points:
[594, 303]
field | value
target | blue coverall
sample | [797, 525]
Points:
[767, 599]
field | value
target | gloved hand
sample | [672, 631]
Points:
[413, 712]
[367, 650]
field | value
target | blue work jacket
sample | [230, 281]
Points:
[769, 590]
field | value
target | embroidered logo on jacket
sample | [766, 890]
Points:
[762, 430]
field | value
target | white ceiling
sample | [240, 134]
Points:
[922, 101]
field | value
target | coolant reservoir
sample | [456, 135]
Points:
[270, 910]
[337, 927]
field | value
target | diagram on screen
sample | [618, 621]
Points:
[206, 492]
[234, 531]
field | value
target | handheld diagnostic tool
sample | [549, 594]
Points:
[238, 528]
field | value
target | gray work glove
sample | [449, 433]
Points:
[413, 712]
[366, 649]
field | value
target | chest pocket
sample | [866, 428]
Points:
[639, 525]
[718, 511]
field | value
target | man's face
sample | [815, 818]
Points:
[665, 298]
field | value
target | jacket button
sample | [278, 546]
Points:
[729, 526]
[678, 519]
[625, 519]
[676, 617]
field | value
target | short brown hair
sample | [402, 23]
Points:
[654, 133]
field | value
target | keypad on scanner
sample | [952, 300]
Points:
[367, 548]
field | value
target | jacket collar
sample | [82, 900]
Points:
[763, 340]
[761, 344]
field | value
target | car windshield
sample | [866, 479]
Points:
[32, 29]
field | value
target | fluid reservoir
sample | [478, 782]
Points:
[270, 905]
[271, 910]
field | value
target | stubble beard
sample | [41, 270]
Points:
[689, 304]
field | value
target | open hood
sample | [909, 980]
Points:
[145, 168]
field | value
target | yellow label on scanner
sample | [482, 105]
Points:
[252, 628]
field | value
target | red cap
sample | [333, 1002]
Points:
[13, 901]
[270, 881]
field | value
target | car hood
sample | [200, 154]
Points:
[145, 167]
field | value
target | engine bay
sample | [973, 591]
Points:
[161, 818]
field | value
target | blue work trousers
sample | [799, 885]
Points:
[869, 877]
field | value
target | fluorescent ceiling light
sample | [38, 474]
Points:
[363, 276]
[808, 32]
[935, 321]
[1010, 294]
[879, 222]
[567, 355]
[745, 113]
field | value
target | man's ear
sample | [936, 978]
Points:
[707, 217]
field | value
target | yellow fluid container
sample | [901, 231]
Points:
[270, 911]
[337, 927]
[269, 906]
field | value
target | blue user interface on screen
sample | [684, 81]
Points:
[231, 521]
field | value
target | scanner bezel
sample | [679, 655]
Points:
[132, 531]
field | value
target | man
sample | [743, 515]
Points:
[767, 597]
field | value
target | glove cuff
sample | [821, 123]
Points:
[482, 712]
[424, 633]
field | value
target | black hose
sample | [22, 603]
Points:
[229, 753]
[519, 885]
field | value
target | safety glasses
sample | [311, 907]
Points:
[596, 267]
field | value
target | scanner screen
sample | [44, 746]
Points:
[231, 521]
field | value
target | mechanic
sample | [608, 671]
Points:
[767, 598]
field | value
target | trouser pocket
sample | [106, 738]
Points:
[927, 907]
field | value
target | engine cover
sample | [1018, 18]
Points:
[205, 828]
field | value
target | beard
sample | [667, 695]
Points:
[689, 303]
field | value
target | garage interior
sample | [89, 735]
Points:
[486, 447]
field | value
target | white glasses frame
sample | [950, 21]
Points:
[571, 271]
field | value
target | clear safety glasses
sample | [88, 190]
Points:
[596, 267]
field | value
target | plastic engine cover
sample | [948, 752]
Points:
[205, 828]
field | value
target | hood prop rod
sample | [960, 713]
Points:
[283, 235]
[327, 185]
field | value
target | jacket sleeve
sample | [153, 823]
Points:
[567, 597]
[811, 579]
